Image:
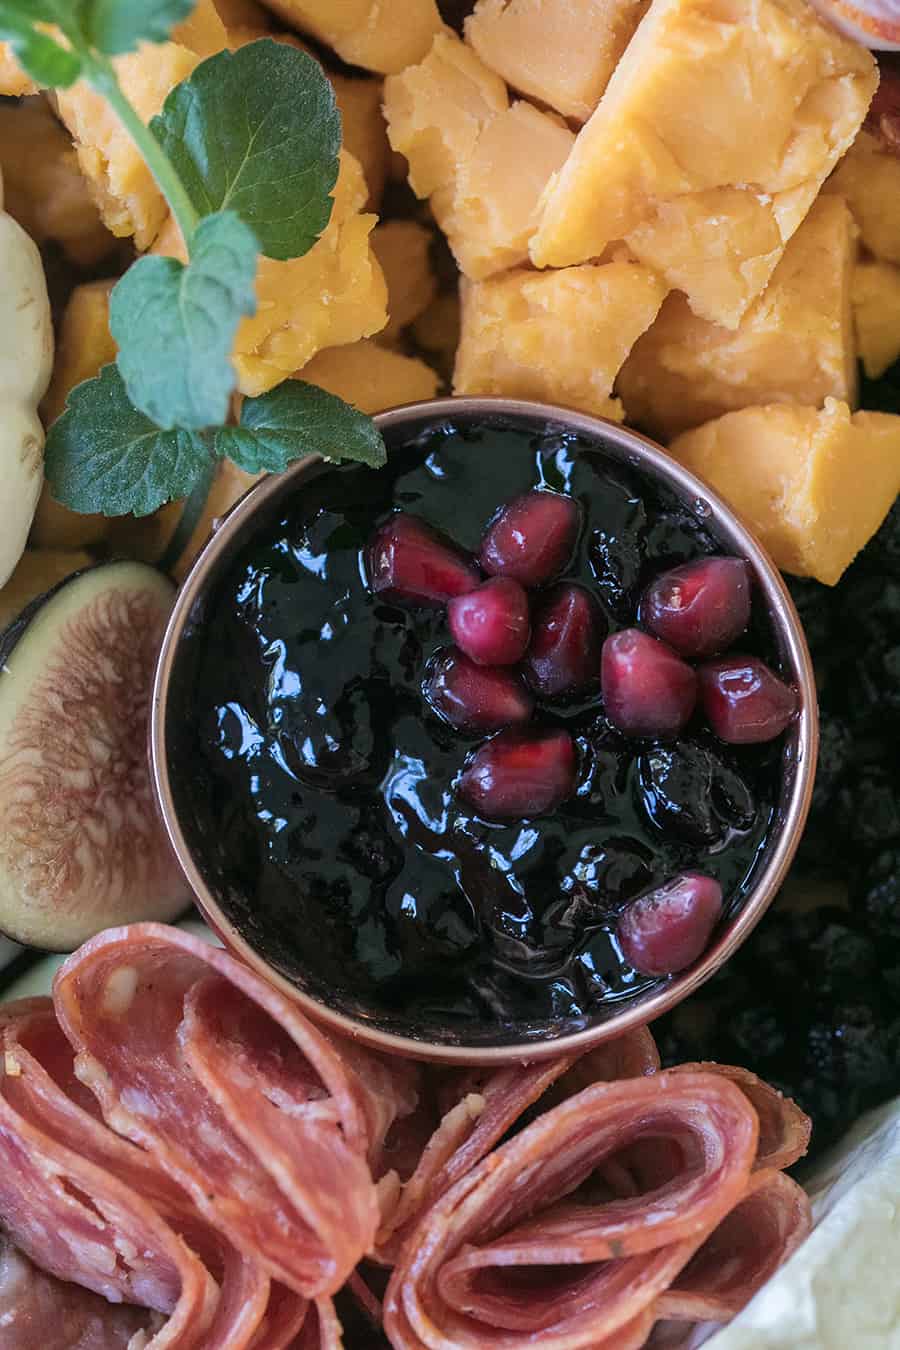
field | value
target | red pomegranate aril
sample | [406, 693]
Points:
[701, 608]
[532, 538]
[409, 561]
[745, 702]
[666, 929]
[475, 698]
[520, 773]
[492, 625]
[564, 656]
[647, 689]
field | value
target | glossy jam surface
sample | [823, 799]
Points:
[326, 787]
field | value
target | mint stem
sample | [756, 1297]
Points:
[101, 75]
[191, 515]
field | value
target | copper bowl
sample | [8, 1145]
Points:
[489, 1043]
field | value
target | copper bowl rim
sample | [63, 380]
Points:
[640, 452]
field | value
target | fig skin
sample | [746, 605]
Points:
[82, 847]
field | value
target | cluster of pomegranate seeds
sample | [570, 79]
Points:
[514, 650]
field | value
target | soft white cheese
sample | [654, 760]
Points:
[841, 1289]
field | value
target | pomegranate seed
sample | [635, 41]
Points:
[564, 656]
[665, 929]
[744, 701]
[701, 608]
[520, 774]
[531, 538]
[492, 624]
[408, 560]
[475, 698]
[647, 689]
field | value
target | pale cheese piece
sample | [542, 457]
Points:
[795, 344]
[814, 486]
[403, 248]
[371, 377]
[869, 177]
[839, 1291]
[559, 336]
[876, 315]
[561, 52]
[380, 35]
[203, 32]
[333, 295]
[715, 133]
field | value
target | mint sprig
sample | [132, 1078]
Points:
[297, 419]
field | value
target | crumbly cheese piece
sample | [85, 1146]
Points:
[869, 177]
[840, 1290]
[403, 248]
[334, 294]
[813, 485]
[561, 52]
[795, 344]
[715, 133]
[483, 163]
[13, 80]
[559, 336]
[45, 191]
[380, 35]
[371, 377]
[84, 345]
[876, 315]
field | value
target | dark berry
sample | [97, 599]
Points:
[816, 604]
[666, 929]
[492, 624]
[868, 807]
[610, 873]
[519, 774]
[690, 792]
[841, 959]
[758, 1032]
[647, 689]
[617, 547]
[835, 753]
[744, 701]
[875, 894]
[700, 609]
[532, 538]
[409, 561]
[475, 698]
[564, 655]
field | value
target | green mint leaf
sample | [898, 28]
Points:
[116, 26]
[297, 419]
[103, 455]
[39, 55]
[175, 324]
[257, 132]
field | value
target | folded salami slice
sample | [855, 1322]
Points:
[784, 1129]
[244, 1104]
[534, 1243]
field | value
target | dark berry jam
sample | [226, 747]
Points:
[338, 790]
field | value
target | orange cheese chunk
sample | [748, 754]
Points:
[370, 376]
[13, 80]
[451, 118]
[365, 132]
[403, 248]
[876, 315]
[333, 295]
[380, 35]
[814, 486]
[559, 336]
[45, 191]
[716, 131]
[561, 52]
[869, 177]
[795, 344]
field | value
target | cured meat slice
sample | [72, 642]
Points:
[746, 1248]
[238, 1097]
[38, 1312]
[532, 1243]
[784, 1129]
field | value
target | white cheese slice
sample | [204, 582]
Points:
[841, 1289]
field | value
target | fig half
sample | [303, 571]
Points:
[81, 845]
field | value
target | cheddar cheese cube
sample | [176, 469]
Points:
[45, 191]
[869, 177]
[84, 345]
[715, 133]
[203, 32]
[333, 295]
[403, 248]
[876, 315]
[364, 130]
[370, 376]
[813, 485]
[380, 35]
[561, 52]
[560, 336]
[795, 344]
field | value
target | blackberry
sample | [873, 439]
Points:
[841, 958]
[815, 605]
[876, 894]
[868, 808]
[835, 750]
[758, 1032]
